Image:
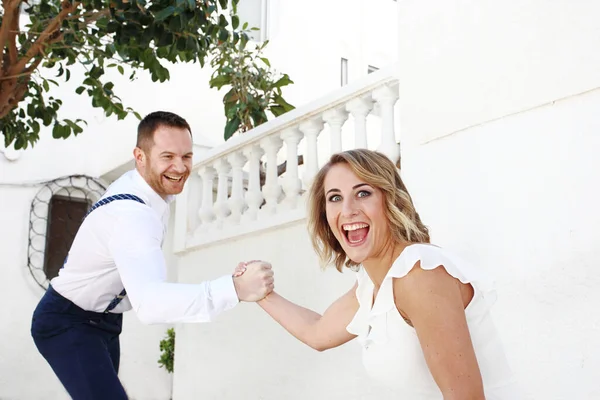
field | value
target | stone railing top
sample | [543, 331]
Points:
[306, 112]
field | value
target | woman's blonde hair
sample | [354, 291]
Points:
[377, 170]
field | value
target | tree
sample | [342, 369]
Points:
[125, 35]
[255, 87]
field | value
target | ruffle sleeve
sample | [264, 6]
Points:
[430, 257]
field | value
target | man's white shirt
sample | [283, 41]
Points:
[119, 246]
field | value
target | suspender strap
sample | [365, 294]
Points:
[112, 198]
[114, 302]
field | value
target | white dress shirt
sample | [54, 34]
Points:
[119, 246]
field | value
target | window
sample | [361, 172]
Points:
[65, 215]
[255, 13]
[371, 69]
[343, 71]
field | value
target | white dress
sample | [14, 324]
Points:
[392, 354]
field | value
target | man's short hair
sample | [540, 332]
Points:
[154, 120]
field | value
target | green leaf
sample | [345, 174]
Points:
[223, 35]
[79, 90]
[277, 110]
[283, 81]
[219, 81]
[280, 101]
[57, 131]
[235, 21]
[231, 127]
[266, 61]
[164, 14]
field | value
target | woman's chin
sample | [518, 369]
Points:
[356, 258]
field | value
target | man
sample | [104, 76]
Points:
[116, 264]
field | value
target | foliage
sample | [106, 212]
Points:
[255, 88]
[167, 348]
[98, 35]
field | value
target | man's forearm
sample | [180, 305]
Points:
[163, 302]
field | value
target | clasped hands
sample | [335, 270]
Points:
[253, 280]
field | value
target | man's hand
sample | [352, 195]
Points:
[253, 281]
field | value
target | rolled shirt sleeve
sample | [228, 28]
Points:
[136, 247]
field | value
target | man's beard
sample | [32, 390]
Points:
[154, 180]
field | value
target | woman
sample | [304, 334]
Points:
[420, 313]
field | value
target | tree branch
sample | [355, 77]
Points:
[34, 66]
[13, 55]
[11, 9]
[12, 94]
[51, 29]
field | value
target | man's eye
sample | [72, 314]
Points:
[335, 197]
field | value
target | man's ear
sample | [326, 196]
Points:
[139, 156]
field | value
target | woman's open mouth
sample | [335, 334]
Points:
[356, 233]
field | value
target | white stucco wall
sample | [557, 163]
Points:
[519, 195]
[499, 114]
[464, 62]
[244, 354]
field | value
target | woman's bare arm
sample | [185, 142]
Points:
[321, 332]
[434, 303]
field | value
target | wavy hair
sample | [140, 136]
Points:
[377, 170]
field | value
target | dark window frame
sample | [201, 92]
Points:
[61, 229]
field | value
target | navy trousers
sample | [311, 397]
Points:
[82, 347]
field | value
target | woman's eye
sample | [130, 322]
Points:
[363, 193]
[335, 197]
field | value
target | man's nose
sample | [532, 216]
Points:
[179, 165]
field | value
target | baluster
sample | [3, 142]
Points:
[291, 183]
[221, 207]
[237, 203]
[207, 174]
[254, 196]
[360, 108]
[311, 130]
[271, 189]
[386, 97]
[335, 118]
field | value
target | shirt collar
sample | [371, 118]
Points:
[155, 201]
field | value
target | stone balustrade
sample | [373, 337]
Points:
[241, 187]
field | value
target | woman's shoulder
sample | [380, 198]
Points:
[429, 257]
[418, 258]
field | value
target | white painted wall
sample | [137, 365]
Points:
[519, 196]
[464, 62]
[499, 109]
[246, 355]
